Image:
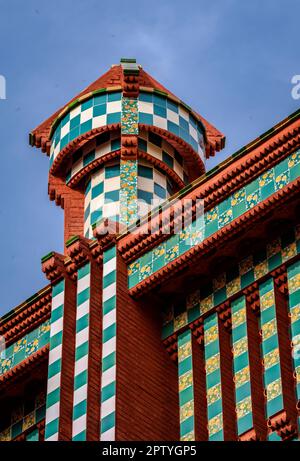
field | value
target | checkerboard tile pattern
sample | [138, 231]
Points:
[100, 110]
[105, 196]
[24, 347]
[293, 273]
[159, 148]
[21, 421]
[157, 110]
[215, 219]
[54, 365]
[109, 339]
[228, 284]
[186, 386]
[241, 365]
[213, 378]
[81, 354]
[270, 348]
[93, 150]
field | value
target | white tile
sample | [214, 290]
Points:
[52, 413]
[65, 130]
[109, 292]
[58, 300]
[80, 394]
[79, 425]
[86, 115]
[108, 376]
[146, 107]
[108, 347]
[183, 113]
[113, 106]
[110, 266]
[160, 122]
[53, 383]
[56, 327]
[83, 283]
[108, 436]
[81, 365]
[99, 121]
[172, 116]
[145, 184]
[82, 336]
[108, 407]
[112, 184]
[109, 319]
[55, 354]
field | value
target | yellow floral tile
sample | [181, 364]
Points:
[294, 284]
[295, 313]
[273, 248]
[242, 376]
[266, 178]
[206, 304]
[233, 286]
[211, 334]
[215, 424]
[271, 358]
[214, 394]
[238, 317]
[190, 437]
[267, 300]
[274, 389]
[212, 364]
[260, 270]
[289, 252]
[185, 350]
[28, 421]
[244, 407]
[297, 372]
[238, 197]
[180, 321]
[239, 347]
[5, 436]
[185, 380]
[187, 410]
[269, 329]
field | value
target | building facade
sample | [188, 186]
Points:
[174, 312]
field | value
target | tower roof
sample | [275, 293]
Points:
[113, 79]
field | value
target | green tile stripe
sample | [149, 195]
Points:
[25, 347]
[241, 365]
[270, 348]
[54, 366]
[293, 275]
[213, 378]
[109, 326]
[228, 284]
[81, 354]
[215, 219]
[186, 386]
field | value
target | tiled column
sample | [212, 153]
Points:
[293, 274]
[241, 366]
[81, 354]
[108, 377]
[186, 386]
[213, 378]
[55, 362]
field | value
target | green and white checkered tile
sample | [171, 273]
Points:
[270, 348]
[109, 331]
[93, 150]
[159, 148]
[157, 110]
[55, 362]
[241, 365]
[101, 110]
[103, 191]
[186, 386]
[293, 273]
[81, 354]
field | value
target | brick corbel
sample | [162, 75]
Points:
[281, 423]
[224, 311]
[252, 298]
[280, 279]
[171, 347]
[53, 266]
[129, 147]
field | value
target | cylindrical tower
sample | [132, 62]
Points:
[121, 147]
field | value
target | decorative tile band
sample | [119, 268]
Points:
[241, 365]
[104, 192]
[270, 348]
[101, 110]
[159, 111]
[81, 354]
[186, 386]
[54, 366]
[128, 191]
[25, 347]
[227, 284]
[213, 378]
[293, 273]
[130, 116]
[21, 422]
[109, 331]
[215, 219]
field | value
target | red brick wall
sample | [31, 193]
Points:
[147, 385]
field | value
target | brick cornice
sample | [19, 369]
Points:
[80, 252]
[220, 237]
[53, 266]
[217, 188]
[282, 424]
[171, 347]
[24, 367]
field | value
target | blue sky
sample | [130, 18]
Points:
[231, 60]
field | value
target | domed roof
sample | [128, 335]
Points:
[114, 79]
